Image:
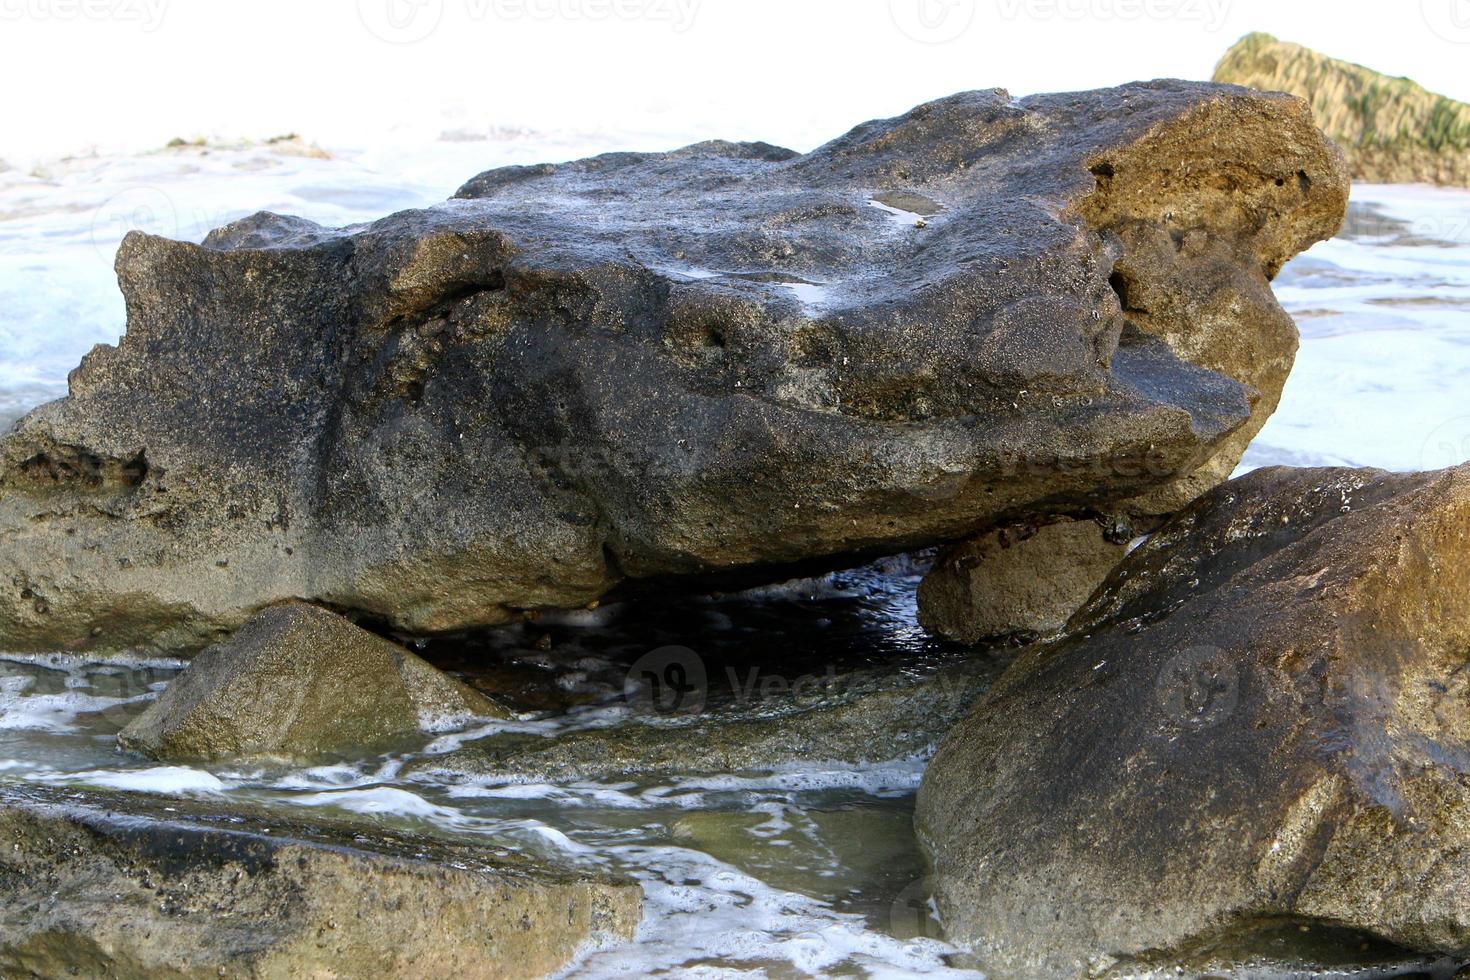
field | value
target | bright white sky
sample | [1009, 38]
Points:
[130, 74]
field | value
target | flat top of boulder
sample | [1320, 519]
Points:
[133, 887]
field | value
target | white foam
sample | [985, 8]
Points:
[162, 780]
[698, 909]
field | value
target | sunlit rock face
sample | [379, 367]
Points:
[727, 357]
[1258, 720]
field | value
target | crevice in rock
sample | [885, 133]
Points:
[60, 465]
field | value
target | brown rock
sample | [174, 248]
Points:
[299, 682]
[1013, 582]
[728, 358]
[1261, 717]
[132, 888]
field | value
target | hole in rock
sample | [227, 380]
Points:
[1124, 288]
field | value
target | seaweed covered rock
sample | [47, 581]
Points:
[108, 884]
[300, 682]
[725, 358]
[1259, 720]
[1392, 130]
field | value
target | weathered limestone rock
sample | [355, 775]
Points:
[725, 357]
[106, 884]
[1391, 130]
[300, 682]
[1017, 581]
[1260, 718]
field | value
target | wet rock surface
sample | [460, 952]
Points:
[853, 718]
[1260, 719]
[298, 682]
[108, 884]
[644, 366]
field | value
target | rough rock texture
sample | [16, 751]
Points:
[128, 888]
[300, 682]
[1017, 581]
[729, 356]
[1391, 130]
[1260, 717]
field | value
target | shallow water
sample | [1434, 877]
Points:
[809, 870]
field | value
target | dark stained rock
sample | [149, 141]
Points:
[299, 682]
[1017, 581]
[1259, 719]
[725, 357]
[107, 884]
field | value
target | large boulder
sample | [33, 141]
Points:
[726, 357]
[1260, 719]
[298, 682]
[107, 884]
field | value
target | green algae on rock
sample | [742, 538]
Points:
[1392, 130]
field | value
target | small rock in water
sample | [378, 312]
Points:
[300, 682]
[1013, 582]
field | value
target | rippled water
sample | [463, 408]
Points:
[808, 870]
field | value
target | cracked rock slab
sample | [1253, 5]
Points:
[110, 884]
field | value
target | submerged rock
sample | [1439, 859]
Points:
[300, 682]
[1017, 581]
[1259, 719]
[854, 718]
[1391, 130]
[725, 357]
[107, 884]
